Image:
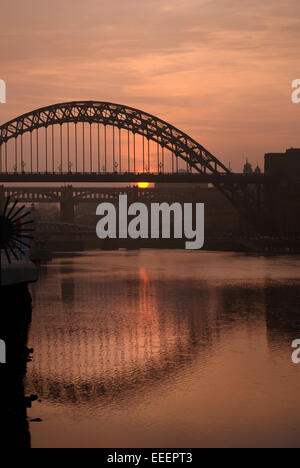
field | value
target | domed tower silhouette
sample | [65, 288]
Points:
[247, 168]
[257, 170]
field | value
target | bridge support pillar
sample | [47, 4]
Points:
[67, 205]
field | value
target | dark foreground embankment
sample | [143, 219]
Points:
[15, 319]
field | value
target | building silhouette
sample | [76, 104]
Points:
[282, 192]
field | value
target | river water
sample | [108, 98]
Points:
[157, 348]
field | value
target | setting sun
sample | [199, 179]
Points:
[143, 185]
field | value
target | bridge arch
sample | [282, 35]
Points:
[127, 118]
[182, 147]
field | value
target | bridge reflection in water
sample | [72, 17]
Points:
[110, 338]
[157, 348]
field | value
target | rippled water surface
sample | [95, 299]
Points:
[158, 348]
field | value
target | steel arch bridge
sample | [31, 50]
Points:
[85, 141]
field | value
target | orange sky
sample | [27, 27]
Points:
[221, 70]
